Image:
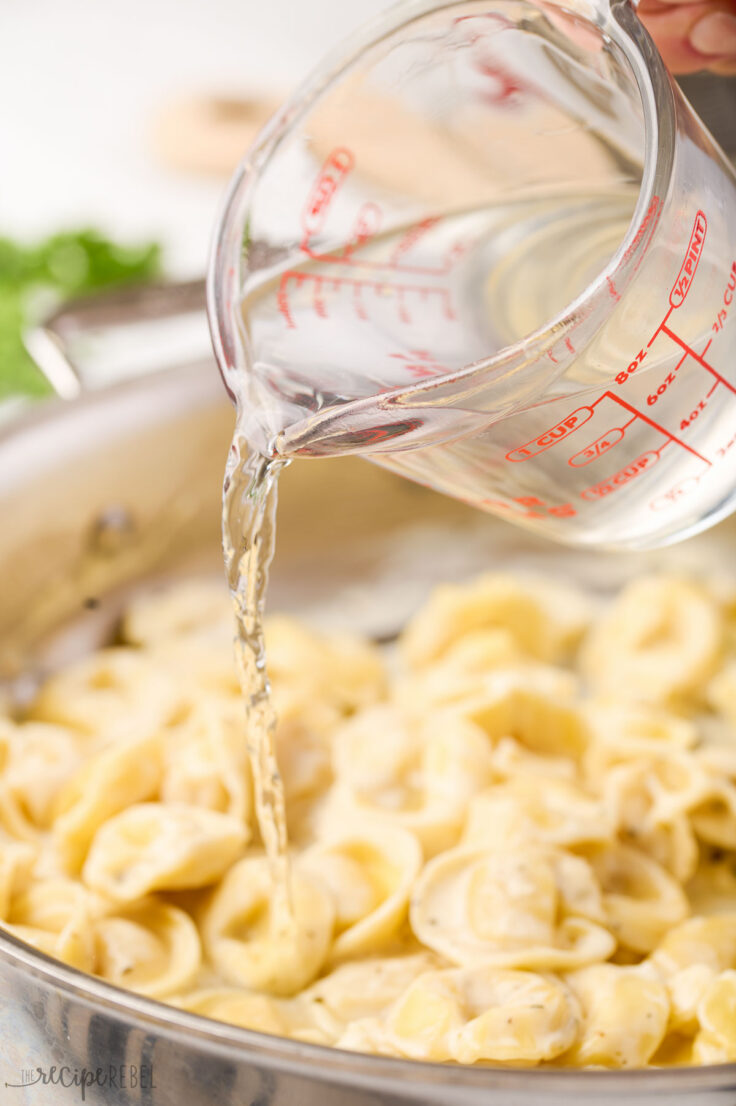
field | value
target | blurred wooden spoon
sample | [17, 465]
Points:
[209, 134]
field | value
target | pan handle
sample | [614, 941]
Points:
[92, 342]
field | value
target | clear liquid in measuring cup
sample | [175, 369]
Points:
[618, 438]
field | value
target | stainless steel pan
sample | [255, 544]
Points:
[122, 485]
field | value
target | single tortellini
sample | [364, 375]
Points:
[186, 608]
[673, 784]
[109, 782]
[250, 946]
[529, 907]
[364, 988]
[625, 1015]
[150, 947]
[623, 731]
[205, 760]
[641, 900]
[56, 916]
[658, 642]
[533, 808]
[370, 875]
[544, 621]
[649, 800]
[416, 774]
[533, 704]
[690, 956]
[717, 1017]
[483, 1013]
[40, 758]
[111, 694]
[162, 847]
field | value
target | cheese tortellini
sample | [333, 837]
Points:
[528, 907]
[161, 847]
[484, 1014]
[248, 944]
[512, 836]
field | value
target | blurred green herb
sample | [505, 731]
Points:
[73, 263]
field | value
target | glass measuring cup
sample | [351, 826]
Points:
[491, 247]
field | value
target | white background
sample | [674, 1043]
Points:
[81, 82]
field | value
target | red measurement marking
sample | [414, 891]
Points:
[368, 221]
[630, 472]
[651, 218]
[358, 304]
[651, 422]
[597, 448]
[528, 506]
[504, 87]
[660, 328]
[723, 450]
[537, 508]
[420, 363]
[552, 436]
[654, 397]
[282, 299]
[624, 375]
[685, 277]
[383, 288]
[698, 357]
[670, 497]
[411, 237]
[330, 178]
[728, 298]
[693, 415]
[320, 304]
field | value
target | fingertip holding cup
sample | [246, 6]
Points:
[692, 36]
[714, 36]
